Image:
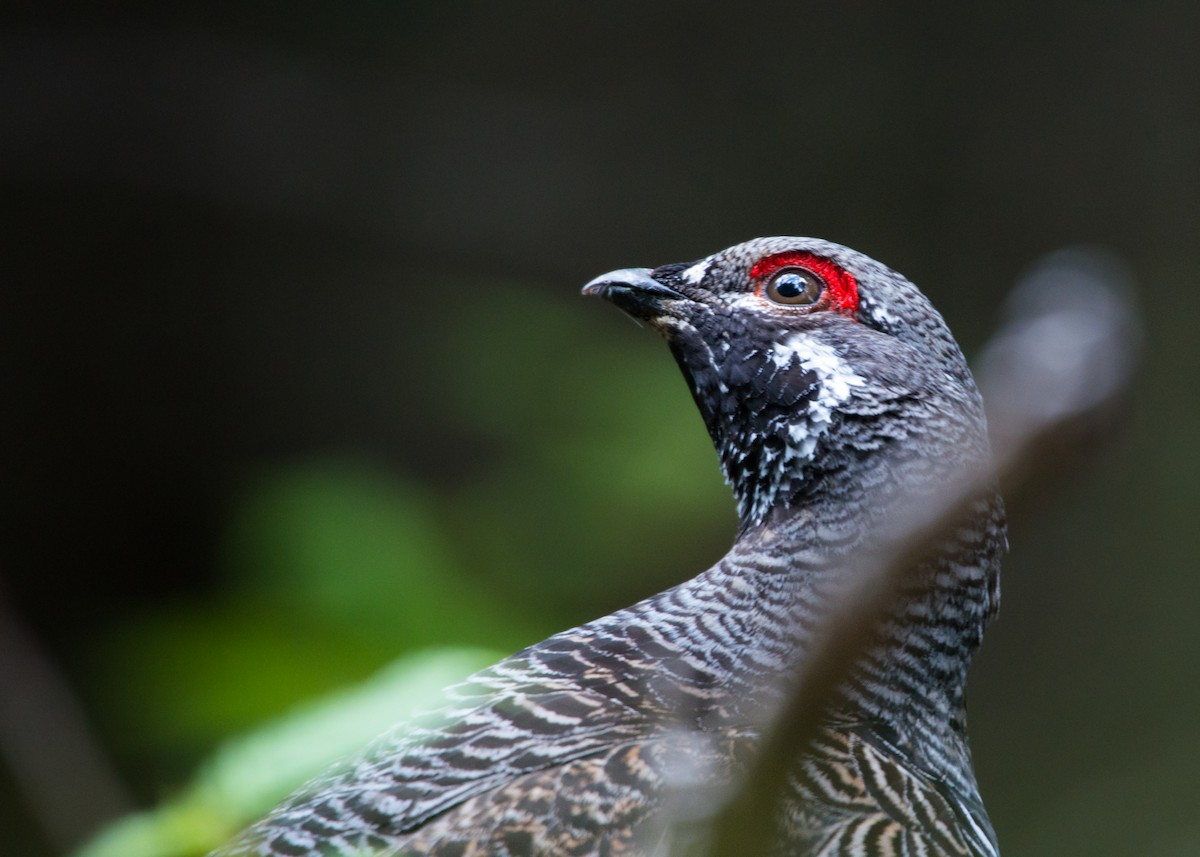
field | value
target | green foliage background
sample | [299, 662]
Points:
[307, 417]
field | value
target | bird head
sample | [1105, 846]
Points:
[806, 360]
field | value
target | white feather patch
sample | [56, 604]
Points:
[835, 381]
[835, 377]
[695, 273]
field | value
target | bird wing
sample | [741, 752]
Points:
[428, 768]
[634, 797]
[623, 799]
[540, 769]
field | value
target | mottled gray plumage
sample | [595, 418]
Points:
[826, 414]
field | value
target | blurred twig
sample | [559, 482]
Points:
[46, 742]
[1051, 376]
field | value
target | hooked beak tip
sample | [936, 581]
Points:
[630, 281]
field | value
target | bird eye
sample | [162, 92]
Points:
[795, 287]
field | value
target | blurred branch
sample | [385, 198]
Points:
[45, 740]
[1052, 375]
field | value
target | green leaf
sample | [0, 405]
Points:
[250, 774]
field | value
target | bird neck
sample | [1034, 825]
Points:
[771, 414]
[821, 461]
[808, 521]
[924, 647]
[784, 575]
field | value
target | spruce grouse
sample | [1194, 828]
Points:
[834, 393]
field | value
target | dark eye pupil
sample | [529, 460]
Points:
[796, 287]
[790, 286]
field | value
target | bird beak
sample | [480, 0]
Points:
[634, 290]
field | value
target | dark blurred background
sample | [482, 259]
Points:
[297, 379]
